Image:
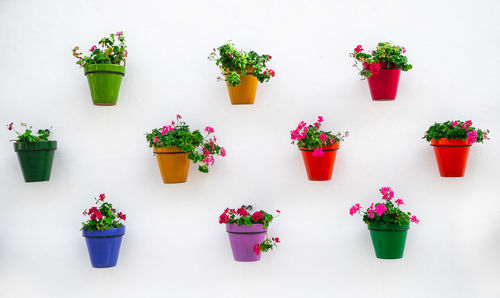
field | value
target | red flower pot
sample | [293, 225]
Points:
[451, 156]
[320, 168]
[384, 84]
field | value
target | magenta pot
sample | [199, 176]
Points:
[243, 238]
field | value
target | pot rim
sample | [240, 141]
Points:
[109, 233]
[332, 147]
[35, 146]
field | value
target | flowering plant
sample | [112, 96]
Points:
[386, 55]
[235, 64]
[242, 216]
[27, 137]
[102, 216]
[453, 130]
[311, 137]
[198, 147]
[385, 213]
[113, 51]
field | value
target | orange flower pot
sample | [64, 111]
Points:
[451, 156]
[320, 168]
[173, 163]
[244, 93]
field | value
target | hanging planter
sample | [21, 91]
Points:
[318, 148]
[241, 70]
[452, 141]
[103, 68]
[248, 233]
[35, 153]
[382, 68]
[174, 145]
[103, 233]
[388, 225]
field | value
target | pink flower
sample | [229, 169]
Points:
[119, 33]
[231, 55]
[278, 211]
[92, 48]
[302, 124]
[256, 249]
[179, 117]
[222, 151]
[242, 212]
[96, 215]
[322, 137]
[387, 193]
[102, 197]
[223, 218]
[166, 129]
[320, 118]
[370, 212]
[257, 216]
[354, 209]
[414, 219]
[126, 53]
[209, 129]
[358, 49]
[317, 152]
[404, 50]
[93, 210]
[454, 123]
[122, 216]
[472, 137]
[399, 202]
[269, 56]
[155, 139]
[380, 209]
[209, 160]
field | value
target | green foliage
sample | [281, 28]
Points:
[27, 137]
[199, 148]
[102, 216]
[235, 64]
[456, 130]
[386, 53]
[112, 51]
[242, 216]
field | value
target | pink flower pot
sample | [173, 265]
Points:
[243, 238]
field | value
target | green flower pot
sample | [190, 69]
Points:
[36, 159]
[104, 82]
[388, 240]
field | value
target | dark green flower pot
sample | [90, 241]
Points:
[388, 240]
[36, 159]
[104, 82]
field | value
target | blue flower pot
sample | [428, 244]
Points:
[104, 246]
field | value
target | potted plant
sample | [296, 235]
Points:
[318, 147]
[104, 69]
[452, 141]
[175, 144]
[382, 68]
[241, 70]
[248, 232]
[103, 233]
[387, 223]
[35, 153]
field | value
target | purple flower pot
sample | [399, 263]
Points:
[104, 246]
[243, 238]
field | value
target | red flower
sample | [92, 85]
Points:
[92, 210]
[96, 215]
[242, 212]
[269, 56]
[256, 249]
[374, 67]
[223, 218]
[231, 55]
[358, 49]
[278, 211]
[277, 240]
[10, 125]
[102, 197]
[257, 216]
[122, 216]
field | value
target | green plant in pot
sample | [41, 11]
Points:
[34, 152]
[104, 69]
[242, 71]
[387, 223]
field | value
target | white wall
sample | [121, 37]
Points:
[174, 245]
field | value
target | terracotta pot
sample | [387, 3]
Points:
[244, 93]
[173, 163]
[384, 84]
[320, 168]
[451, 156]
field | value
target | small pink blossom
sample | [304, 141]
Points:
[387, 193]
[322, 137]
[380, 209]
[320, 118]
[302, 124]
[209, 160]
[209, 129]
[318, 152]
[179, 117]
[358, 49]
[93, 48]
[404, 50]
[119, 33]
[472, 137]
[414, 219]
[166, 129]
[155, 139]
[399, 202]
[370, 212]
[222, 151]
[454, 123]
[354, 209]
